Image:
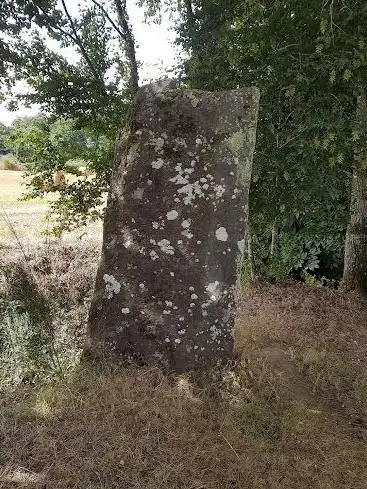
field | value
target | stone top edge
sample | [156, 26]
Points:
[171, 85]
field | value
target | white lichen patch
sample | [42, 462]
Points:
[186, 223]
[179, 179]
[191, 191]
[157, 144]
[221, 234]
[214, 332]
[128, 242]
[157, 164]
[187, 234]
[166, 247]
[112, 285]
[125, 310]
[138, 194]
[241, 245]
[219, 191]
[212, 287]
[153, 255]
[172, 215]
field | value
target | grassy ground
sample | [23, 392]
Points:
[290, 412]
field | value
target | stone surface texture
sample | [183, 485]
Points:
[174, 229]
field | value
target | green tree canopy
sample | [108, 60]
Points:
[309, 60]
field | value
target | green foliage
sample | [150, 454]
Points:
[45, 146]
[26, 336]
[25, 352]
[259, 420]
[310, 60]
[87, 96]
[4, 131]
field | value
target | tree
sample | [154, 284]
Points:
[342, 49]
[44, 146]
[4, 132]
[355, 259]
[94, 90]
[296, 53]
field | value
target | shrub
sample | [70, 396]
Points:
[10, 162]
[26, 347]
[26, 335]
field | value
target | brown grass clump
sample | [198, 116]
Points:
[135, 428]
[44, 301]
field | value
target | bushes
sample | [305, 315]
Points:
[26, 347]
[10, 162]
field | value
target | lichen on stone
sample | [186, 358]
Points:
[236, 142]
[112, 286]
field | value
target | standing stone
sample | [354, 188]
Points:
[174, 229]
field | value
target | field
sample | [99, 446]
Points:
[290, 412]
[27, 218]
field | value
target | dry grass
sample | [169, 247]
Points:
[28, 217]
[137, 429]
[315, 337]
[278, 418]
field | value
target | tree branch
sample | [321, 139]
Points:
[189, 13]
[79, 43]
[108, 17]
[129, 43]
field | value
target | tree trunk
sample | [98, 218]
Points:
[274, 238]
[355, 257]
[129, 44]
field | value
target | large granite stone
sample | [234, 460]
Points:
[174, 229]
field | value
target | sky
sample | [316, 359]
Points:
[155, 50]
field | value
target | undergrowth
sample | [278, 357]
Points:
[44, 298]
